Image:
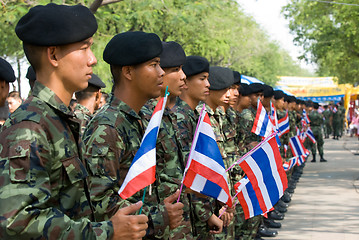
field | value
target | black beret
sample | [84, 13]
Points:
[244, 89]
[132, 48]
[220, 78]
[268, 91]
[278, 94]
[6, 71]
[31, 75]
[289, 98]
[172, 55]
[237, 77]
[256, 87]
[315, 105]
[96, 81]
[54, 25]
[195, 65]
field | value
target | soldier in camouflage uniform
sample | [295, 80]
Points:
[316, 121]
[43, 187]
[196, 89]
[88, 101]
[327, 121]
[341, 111]
[114, 134]
[170, 159]
[221, 79]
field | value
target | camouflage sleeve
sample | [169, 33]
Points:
[104, 149]
[202, 207]
[30, 207]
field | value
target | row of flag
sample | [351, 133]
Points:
[205, 172]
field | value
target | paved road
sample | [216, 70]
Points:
[325, 204]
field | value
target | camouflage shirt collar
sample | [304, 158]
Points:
[123, 107]
[185, 107]
[82, 109]
[48, 96]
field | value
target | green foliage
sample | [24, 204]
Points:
[329, 35]
[217, 30]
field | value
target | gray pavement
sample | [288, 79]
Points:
[325, 204]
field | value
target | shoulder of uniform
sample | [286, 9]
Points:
[33, 109]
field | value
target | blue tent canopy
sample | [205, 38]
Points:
[249, 80]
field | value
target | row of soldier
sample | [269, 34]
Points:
[59, 177]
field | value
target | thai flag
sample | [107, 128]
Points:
[310, 135]
[247, 198]
[300, 160]
[143, 167]
[283, 125]
[264, 170]
[297, 147]
[290, 164]
[273, 115]
[262, 125]
[205, 172]
[305, 116]
[320, 109]
[335, 110]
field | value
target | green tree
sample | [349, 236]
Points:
[328, 33]
[217, 30]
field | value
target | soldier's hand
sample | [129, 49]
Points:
[174, 210]
[227, 216]
[215, 224]
[128, 226]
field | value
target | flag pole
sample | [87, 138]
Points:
[189, 155]
[251, 151]
[144, 191]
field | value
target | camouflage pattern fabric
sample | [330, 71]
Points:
[316, 121]
[84, 115]
[284, 139]
[42, 175]
[327, 123]
[112, 139]
[336, 123]
[341, 110]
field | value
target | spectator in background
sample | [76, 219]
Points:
[353, 126]
[103, 101]
[14, 101]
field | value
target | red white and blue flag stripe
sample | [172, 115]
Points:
[310, 135]
[335, 110]
[143, 167]
[264, 170]
[290, 164]
[297, 147]
[305, 116]
[262, 125]
[283, 125]
[247, 198]
[205, 172]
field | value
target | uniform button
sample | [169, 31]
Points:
[18, 149]
[39, 102]
[99, 151]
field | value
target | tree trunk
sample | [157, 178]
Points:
[18, 75]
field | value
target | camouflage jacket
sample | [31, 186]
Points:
[112, 139]
[244, 128]
[249, 115]
[43, 177]
[83, 114]
[327, 115]
[316, 121]
[292, 123]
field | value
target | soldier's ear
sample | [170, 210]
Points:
[127, 72]
[51, 55]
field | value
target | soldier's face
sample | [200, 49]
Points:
[279, 104]
[197, 87]
[233, 95]
[220, 97]
[4, 91]
[254, 98]
[244, 101]
[174, 78]
[148, 78]
[13, 104]
[75, 62]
